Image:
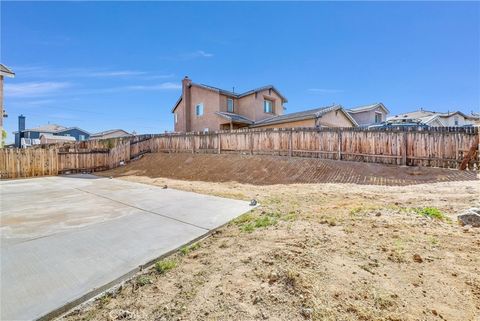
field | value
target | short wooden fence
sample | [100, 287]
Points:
[435, 147]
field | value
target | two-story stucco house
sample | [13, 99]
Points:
[369, 114]
[207, 108]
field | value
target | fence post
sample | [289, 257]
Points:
[339, 154]
[219, 143]
[192, 141]
[404, 147]
[251, 142]
[290, 142]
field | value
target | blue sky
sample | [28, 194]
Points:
[103, 65]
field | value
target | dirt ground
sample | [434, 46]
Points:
[268, 170]
[330, 251]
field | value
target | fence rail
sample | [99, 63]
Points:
[435, 147]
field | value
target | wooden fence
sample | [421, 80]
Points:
[436, 147]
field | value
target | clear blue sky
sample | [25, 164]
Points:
[102, 65]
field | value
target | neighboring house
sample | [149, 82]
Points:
[112, 133]
[434, 119]
[369, 114]
[329, 116]
[4, 72]
[476, 118]
[204, 108]
[54, 129]
[53, 139]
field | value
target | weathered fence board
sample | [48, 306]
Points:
[437, 147]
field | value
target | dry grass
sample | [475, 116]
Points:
[320, 252]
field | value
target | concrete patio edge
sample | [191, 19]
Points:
[68, 307]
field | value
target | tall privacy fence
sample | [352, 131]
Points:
[435, 147]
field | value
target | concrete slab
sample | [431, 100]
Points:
[63, 237]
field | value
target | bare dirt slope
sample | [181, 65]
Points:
[266, 170]
[330, 251]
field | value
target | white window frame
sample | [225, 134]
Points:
[199, 110]
[233, 106]
[175, 117]
[265, 106]
[381, 117]
[81, 138]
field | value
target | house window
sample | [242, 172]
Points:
[230, 105]
[378, 118]
[456, 121]
[175, 117]
[199, 110]
[268, 106]
[81, 137]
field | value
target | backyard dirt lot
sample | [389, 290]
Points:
[322, 251]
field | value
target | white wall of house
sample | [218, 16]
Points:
[456, 120]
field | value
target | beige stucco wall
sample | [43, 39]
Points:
[335, 118]
[211, 104]
[368, 117]
[179, 125]
[223, 103]
[251, 106]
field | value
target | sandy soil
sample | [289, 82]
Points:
[319, 252]
[268, 170]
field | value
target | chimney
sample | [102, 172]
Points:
[21, 123]
[21, 127]
[187, 101]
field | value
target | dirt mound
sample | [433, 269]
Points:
[267, 170]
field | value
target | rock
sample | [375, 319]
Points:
[417, 258]
[119, 314]
[475, 210]
[307, 313]
[165, 187]
[257, 299]
[469, 218]
[253, 202]
[272, 278]
[378, 214]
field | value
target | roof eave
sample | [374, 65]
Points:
[176, 104]
[285, 120]
[7, 74]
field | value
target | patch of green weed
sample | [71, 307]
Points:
[143, 280]
[432, 212]
[245, 218]
[189, 248]
[265, 221]
[248, 227]
[165, 265]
